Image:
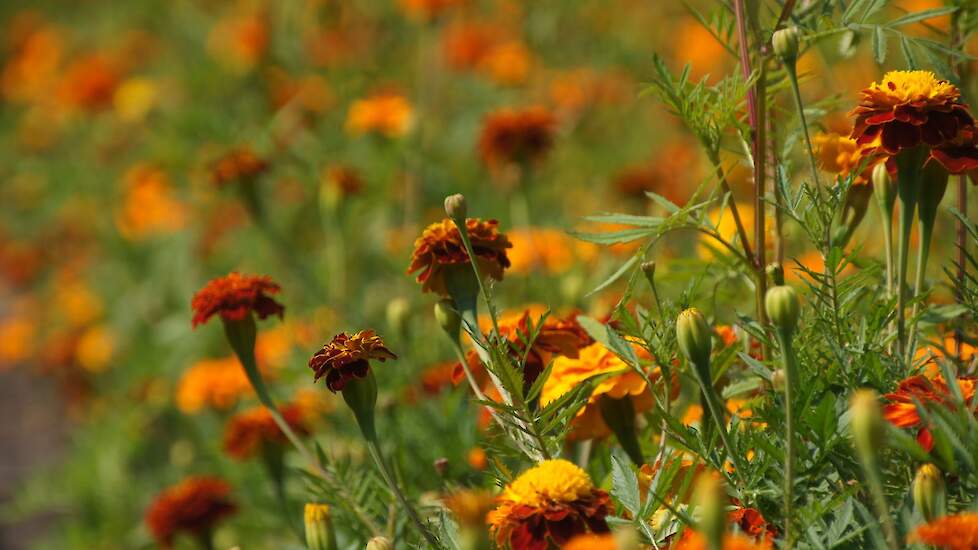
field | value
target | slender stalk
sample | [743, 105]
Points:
[716, 412]
[879, 501]
[385, 471]
[725, 187]
[886, 220]
[796, 92]
[962, 244]
[788, 363]
[464, 234]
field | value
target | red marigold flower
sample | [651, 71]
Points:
[248, 432]
[901, 411]
[550, 503]
[516, 136]
[911, 108]
[958, 532]
[236, 296]
[194, 506]
[440, 246]
[346, 357]
[235, 165]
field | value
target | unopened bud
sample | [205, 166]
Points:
[866, 423]
[694, 337]
[711, 509]
[448, 317]
[778, 380]
[929, 493]
[455, 206]
[648, 268]
[319, 527]
[783, 307]
[884, 187]
[380, 543]
[785, 43]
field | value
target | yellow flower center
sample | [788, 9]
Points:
[909, 86]
[549, 481]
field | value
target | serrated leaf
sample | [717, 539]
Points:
[624, 483]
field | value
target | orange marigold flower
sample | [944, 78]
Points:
[661, 175]
[388, 114]
[507, 63]
[148, 208]
[234, 297]
[194, 506]
[465, 44]
[240, 39]
[591, 541]
[911, 108]
[511, 136]
[470, 506]
[346, 357]
[440, 247]
[957, 532]
[551, 250]
[551, 502]
[693, 540]
[236, 165]
[569, 372]
[215, 383]
[89, 82]
[841, 155]
[248, 432]
[901, 411]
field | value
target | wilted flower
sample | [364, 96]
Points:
[440, 247]
[248, 433]
[511, 136]
[550, 503]
[901, 411]
[911, 108]
[236, 165]
[234, 297]
[387, 114]
[347, 357]
[958, 532]
[194, 506]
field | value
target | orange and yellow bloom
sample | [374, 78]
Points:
[234, 297]
[958, 532]
[440, 247]
[248, 433]
[347, 357]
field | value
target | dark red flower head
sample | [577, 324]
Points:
[516, 136]
[346, 357]
[236, 165]
[440, 246]
[248, 432]
[236, 296]
[194, 507]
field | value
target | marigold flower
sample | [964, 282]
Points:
[89, 83]
[591, 541]
[194, 506]
[470, 506]
[696, 541]
[345, 179]
[148, 207]
[215, 383]
[236, 165]
[387, 114]
[901, 411]
[663, 175]
[569, 372]
[240, 39]
[248, 432]
[549, 250]
[465, 44]
[511, 136]
[841, 155]
[34, 55]
[507, 63]
[958, 532]
[234, 297]
[550, 503]
[911, 108]
[347, 357]
[440, 247]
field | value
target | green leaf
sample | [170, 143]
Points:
[612, 237]
[921, 15]
[879, 44]
[615, 276]
[624, 483]
[626, 219]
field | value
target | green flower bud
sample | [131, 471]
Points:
[694, 336]
[448, 317]
[785, 43]
[929, 494]
[711, 509]
[455, 206]
[884, 187]
[380, 543]
[319, 528]
[360, 395]
[866, 423]
[783, 307]
[778, 380]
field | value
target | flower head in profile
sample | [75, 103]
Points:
[511, 136]
[901, 409]
[248, 433]
[347, 357]
[193, 507]
[957, 532]
[236, 165]
[911, 108]
[550, 503]
[569, 372]
[234, 297]
[387, 114]
[440, 247]
[841, 155]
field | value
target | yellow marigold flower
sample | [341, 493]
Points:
[958, 532]
[470, 506]
[387, 114]
[568, 372]
[148, 206]
[841, 155]
[910, 108]
[549, 250]
[440, 247]
[549, 504]
[95, 348]
[346, 357]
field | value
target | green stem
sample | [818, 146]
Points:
[793, 77]
[886, 217]
[879, 501]
[787, 356]
[908, 201]
[385, 471]
[716, 411]
[619, 415]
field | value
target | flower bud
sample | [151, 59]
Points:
[455, 206]
[380, 543]
[785, 43]
[928, 492]
[776, 272]
[866, 423]
[778, 380]
[694, 336]
[884, 187]
[448, 318]
[711, 509]
[783, 307]
[648, 269]
[319, 527]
